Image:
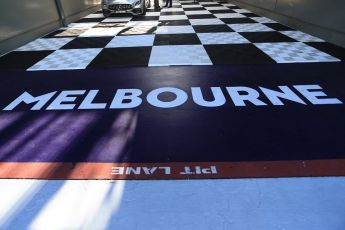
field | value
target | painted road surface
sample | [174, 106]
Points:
[174, 123]
[153, 122]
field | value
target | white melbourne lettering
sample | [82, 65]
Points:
[131, 98]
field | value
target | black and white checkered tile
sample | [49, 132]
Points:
[190, 33]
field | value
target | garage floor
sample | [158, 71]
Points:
[189, 33]
[155, 168]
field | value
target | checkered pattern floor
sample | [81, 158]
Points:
[190, 33]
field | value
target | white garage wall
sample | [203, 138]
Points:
[72, 7]
[325, 19]
[24, 20]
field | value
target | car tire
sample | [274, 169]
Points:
[106, 13]
[144, 8]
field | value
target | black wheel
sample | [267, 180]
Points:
[144, 7]
[106, 13]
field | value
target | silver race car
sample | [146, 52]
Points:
[135, 7]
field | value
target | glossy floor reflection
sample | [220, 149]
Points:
[190, 33]
[305, 203]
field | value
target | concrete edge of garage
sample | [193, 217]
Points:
[20, 39]
[81, 14]
[329, 34]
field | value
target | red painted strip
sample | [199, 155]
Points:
[145, 171]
